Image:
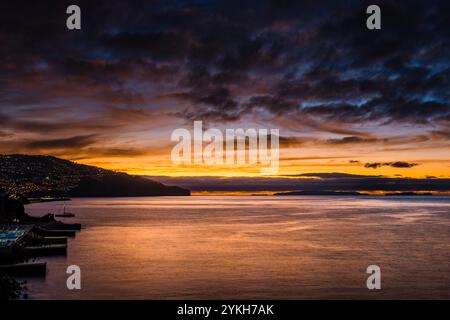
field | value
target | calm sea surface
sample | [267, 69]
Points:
[252, 248]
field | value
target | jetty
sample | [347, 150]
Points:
[22, 242]
[46, 250]
[25, 238]
[25, 269]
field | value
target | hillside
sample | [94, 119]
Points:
[38, 176]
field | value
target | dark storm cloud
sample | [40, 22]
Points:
[164, 45]
[396, 164]
[350, 140]
[67, 143]
[4, 134]
[401, 164]
[312, 62]
[288, 142]
[50, 125]
[373, 165]
[220, 97]
[396, 75]
[441, 134]
[332, 175]
[90, 152]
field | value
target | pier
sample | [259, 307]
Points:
[22, 242]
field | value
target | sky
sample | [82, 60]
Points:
[344, 98]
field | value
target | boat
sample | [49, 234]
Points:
[65, 214]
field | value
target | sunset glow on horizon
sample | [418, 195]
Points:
[111, 94]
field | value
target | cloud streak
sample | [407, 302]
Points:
[396, 164]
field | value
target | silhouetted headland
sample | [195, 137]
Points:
[47, 176]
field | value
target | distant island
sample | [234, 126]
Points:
[47, 176]
[408, 194]
[320, 193]
[346, 193]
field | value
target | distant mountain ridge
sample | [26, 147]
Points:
[38, 176]
[320, 193]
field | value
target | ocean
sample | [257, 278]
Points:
[252, 247]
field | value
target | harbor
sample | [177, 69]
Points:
[24, 238]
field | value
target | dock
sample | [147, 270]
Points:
[46, 250]
[25, 269]
[54, 233]
[20, 242]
